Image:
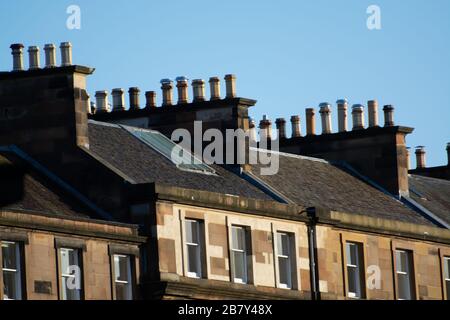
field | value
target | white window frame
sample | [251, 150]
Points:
[199, 248]
[289, 239]
[244, 251]
[128, 282]
[65, 276]
[408, 272]
[357, 267]
[17, 271]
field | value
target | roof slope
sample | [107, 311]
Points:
[24, 189]
[432, 193]
[314, 182]
[143, 164]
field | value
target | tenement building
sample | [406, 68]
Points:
[94, 204]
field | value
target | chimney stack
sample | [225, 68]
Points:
[230, 82]
[198, 89]
[150, 99]
[358, 116]
[133, 93]
[66, 54]
[295, 124]
[310, 121]
[17, 53]
[388, 116]
[214, 83]
[166, 86]
[34, 59]
[281, 127]
[182, 86]
[101, 98]
[372, 106]
[420, 157]
[408, 158]
[118, 99]
[448, 153]
[325, 114]
[265, 126]
[50, 55]
[342, 114]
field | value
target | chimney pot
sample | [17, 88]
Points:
[342, 105]
[34, 59]
[133, 93]
[101, 98]
[372, 107]
[230, 82]
[325, 114]
[50, 55]
[281, 127]
[252, 128]
[167, 87]
[118, 99]
[182, 86]
[17, 53]
[420, 157]
[66, 54]
[265, 126]
[214, 83]
[150, 97]
[295, 124]
[310, 121]
[388, 115]
[358, 116]
[198, 88]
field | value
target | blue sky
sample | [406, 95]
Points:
[288, 55]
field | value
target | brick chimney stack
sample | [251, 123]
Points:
[372, 107]
[34, 59]
[310, 122]
[230, 83]
[134, 93]
[388, 115]
[167, 87]
[295, 124]
[358, 116]
[118, 99]
[150, 99]
[182, 86]
[66, 54]
[198, 89]
[50, 55]
[420, 157]
[17, 53]
[214, 84]
[342, 114]
[325, 114]
[281, 127]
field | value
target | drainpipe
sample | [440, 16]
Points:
[312, 244]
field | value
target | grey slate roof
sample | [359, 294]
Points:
[144, 165]
[432, 193]
[314, 182]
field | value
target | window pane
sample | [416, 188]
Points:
[123, 291]
[193, 257]
[10, 286]
[238, 238]
[355, 270]
[354, 283]
[71, 274]
[10, 254]
[11, 265]
[404, 290]
[192, 231]
[352, 254]
[447, 268]
[402, 261]
[123, 277]
[284, 266]
[240, 269]
[447, 285]
[283, 244]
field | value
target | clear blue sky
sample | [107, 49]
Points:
[288, 55]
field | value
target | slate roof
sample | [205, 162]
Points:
[144, 165]
[315, 182]
[23, 189]
[431, 193]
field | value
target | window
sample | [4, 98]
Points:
[194, 248]
[355, 270]
[239, 251]
[71, 278]
[285, 260]
[123, 281]
[405, 272]
[12, 270]
[447, 276]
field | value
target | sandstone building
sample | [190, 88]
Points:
[92, 206]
